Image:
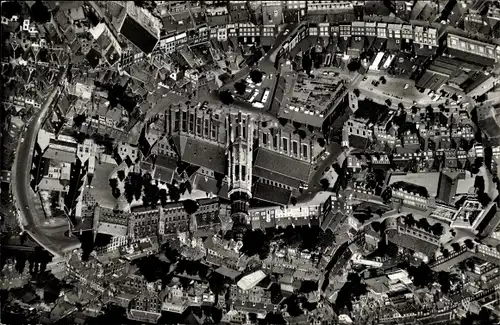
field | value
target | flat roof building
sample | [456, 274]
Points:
[471, 50]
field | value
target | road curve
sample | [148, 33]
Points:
[21, 190]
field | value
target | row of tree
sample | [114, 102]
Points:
[257, 242]
[436, 229]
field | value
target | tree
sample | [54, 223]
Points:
[321, 142]
[353, 65]
[283, 121]
[469, 243]
[430, 112]
[256, 243]
[456, 247]
[190, 206]
[482, 98]
[163, 197]
[488, 157]
[326, 238]
[356, 92]
[479, 184]
[422, 275]
[486, 317]
[302, 134]
[182, 188]
[78, 120]
[256, 55]
[189, 187]
[11, 8]
[388, 102]
[423, 224]
[173, 193]
[240, 87]
[409, 220]
[444, 281]
[376, 226]
[152, 268]
[297, 125]
[121, 175]
[325, 184]
[40, 13]
[226, 97]
[307, 63]
[256, 76]
[293, 201]
[437, 229]
[113, 182]
[308, 286]
[116, 192]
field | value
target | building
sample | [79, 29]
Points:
[425, 40]
[145, 308]
[139, 29]
[240, 136]
[358, 133]
[490, 220]
[445, 263]
[447, 187]
[309, 101]
[471, 50]
[145, 222]
[61, 148]
[282, 163]
[327, 6]
[488, 117]
[481, 86]
[251, 280]
[274, 217]
[255, 300]
[335, 210]
[469, 215]
[438, 73]
[410, 195]
[56, 178]
[488, 254]
[412, 238]
[110, 223]
[224, 253]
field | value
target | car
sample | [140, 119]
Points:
[324, 155]
[286, 32]
[364, 79]
[27, 207]
[406, 86]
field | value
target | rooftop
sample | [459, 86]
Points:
[271, 194]
[138, 35]
[281, 165]
[201, 153]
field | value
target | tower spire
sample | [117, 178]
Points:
[240, 139]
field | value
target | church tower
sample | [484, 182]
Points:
[240, 142]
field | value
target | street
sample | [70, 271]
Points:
[21, 190]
